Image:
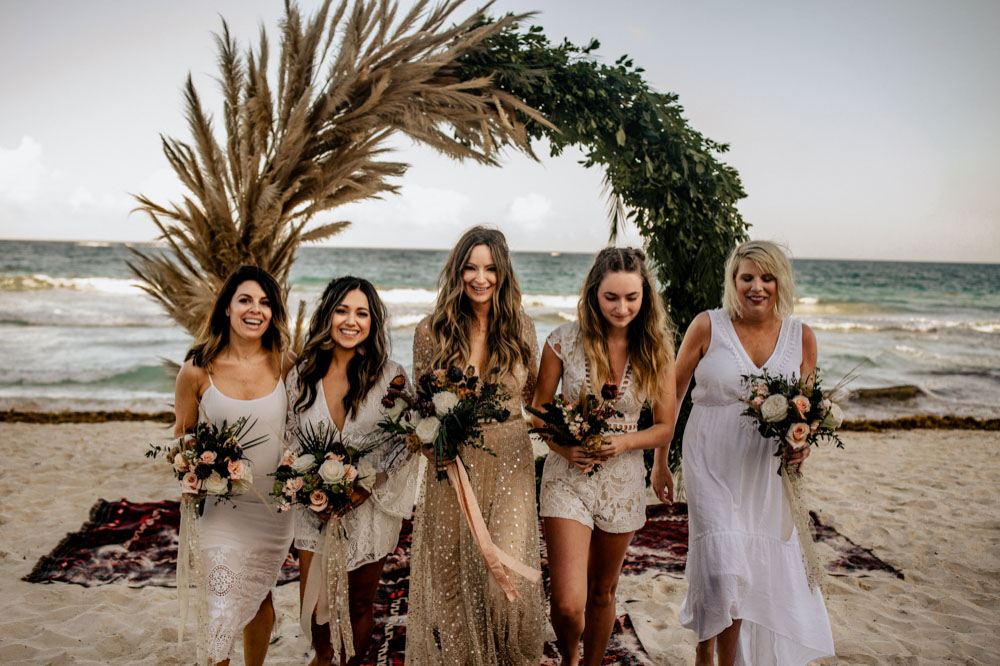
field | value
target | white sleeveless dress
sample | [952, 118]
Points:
[243, 543]
[373, 527]
[614, 498]
[738, 566]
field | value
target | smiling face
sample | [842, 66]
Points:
[351, 321]
[479, 275]
[619, 296]
[249, 311]
[757, 291]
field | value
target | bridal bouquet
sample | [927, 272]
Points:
[448, 411]
[793, 411]
[582, 423]
[323, 475]
[211, 459]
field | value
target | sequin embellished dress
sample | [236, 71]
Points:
[614, 498]
[738, 566]
[244, 543]
[457, 612]
[373, 527]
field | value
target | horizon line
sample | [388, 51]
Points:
[155, 243]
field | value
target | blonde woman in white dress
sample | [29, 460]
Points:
[621, 337]
[235, 371]
[338, 383]
[748, 598]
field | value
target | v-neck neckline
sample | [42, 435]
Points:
[321, 393]
[746, 355]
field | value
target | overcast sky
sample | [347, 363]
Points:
[861, 129]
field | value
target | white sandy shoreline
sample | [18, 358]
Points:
[925, 501]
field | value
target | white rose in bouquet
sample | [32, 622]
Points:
[834, 417]
[774, 409]
[332, 471]
[366, 474]
[427, 429]
[303, 463]
[397, 408]
[444, 402]
[216, 485]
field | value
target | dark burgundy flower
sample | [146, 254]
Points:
[609, 391]
[203, 471]
[471, 382]
[388, 402]
[455, 374]
[504, 415]
[426, 408]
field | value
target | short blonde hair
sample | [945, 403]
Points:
[769, 258]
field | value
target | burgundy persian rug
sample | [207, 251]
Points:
[136, 544]
[132, 543]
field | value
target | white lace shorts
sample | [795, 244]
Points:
[613, 499]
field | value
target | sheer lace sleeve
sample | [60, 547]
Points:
[293, 419]
[423, 347]
[528, 392]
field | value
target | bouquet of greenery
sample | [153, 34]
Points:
[323, 475]
[795, 412]
[211, 460]
[582, 423]
[448, 412]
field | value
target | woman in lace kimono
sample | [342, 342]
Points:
[622, 337]
[339, 382]
[457, 613]
[748, 598]
[233, 371]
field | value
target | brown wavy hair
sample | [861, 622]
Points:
[213, 336]
[452, 319]
[649, 335]
[365, 368]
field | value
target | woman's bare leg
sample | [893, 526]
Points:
[607, 553]
[568, 544]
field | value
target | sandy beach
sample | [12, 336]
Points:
[922, 500]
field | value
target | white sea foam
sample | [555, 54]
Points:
[41, 282]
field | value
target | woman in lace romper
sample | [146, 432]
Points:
[748, 598]
[235, 370]
[458, 614]
[339, 382]
[621, 336]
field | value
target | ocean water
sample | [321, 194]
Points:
[78, 333]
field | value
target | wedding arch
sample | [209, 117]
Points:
[354, 73]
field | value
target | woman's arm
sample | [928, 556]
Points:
[187, 395]
[549, 374]
[693, 348]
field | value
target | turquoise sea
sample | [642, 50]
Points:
[77, 333]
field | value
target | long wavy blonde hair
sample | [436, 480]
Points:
[650, 334]
[452, 320]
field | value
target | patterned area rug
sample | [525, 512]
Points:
[136, 544]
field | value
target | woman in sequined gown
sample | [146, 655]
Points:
[338, 383]
[621, 337]
[457, 612]
[236, 370]
[748, 598]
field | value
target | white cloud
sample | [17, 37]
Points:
[21, 172]
[529, 211]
